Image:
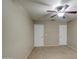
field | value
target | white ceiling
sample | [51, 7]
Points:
[37, 8]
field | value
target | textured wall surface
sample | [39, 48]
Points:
[72, 34]
[17, 31]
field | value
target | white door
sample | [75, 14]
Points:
[62, 34]
[38, 35]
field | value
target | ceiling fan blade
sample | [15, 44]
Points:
[59, 8]
[53, 15]
[46, 17]
[66, 6]
[72, 12]
[50, 11]
[52, 20]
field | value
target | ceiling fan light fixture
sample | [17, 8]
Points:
[60, 14]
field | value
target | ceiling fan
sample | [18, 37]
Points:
[61, 10]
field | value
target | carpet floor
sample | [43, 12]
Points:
[58, 52]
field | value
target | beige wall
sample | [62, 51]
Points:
[72, 34]
[51, 33]
[17, 31]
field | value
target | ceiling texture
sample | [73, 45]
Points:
[37, 9]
